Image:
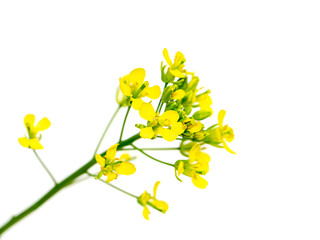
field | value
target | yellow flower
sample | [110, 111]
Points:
[175, 68]
[33, 141]
[111, 166]
[133, 86]
[205, 103]
[220, 134]
[198, 164]
[166, 125]
[146, 199]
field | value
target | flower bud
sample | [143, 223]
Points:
[202, 114]
[166, 95]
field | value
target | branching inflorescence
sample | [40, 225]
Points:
[179, 115]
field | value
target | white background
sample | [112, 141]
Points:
[63, 59]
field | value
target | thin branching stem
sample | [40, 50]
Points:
[169, 164]
[124, 123]
[111, 185]
[105, 131]
[45, 167]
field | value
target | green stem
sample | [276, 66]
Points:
[82, 170]
[45, 167]
[105, 131]
[148, 149]
[160, 101]
[124, 123]
[172, 165]
[111, 185]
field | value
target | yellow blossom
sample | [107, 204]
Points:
[198, 164]
[166, 125]
[111, 166]
[220, 134]
[134, 87]
[175, 68]
[33, 141]
[146, 199]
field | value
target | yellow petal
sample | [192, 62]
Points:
[168, 118]
[155, 188]
[226, 147]
[24, 142]
[145, 197]
[146, 213]
[111, 152]
[166, 56]
[29, 120]
[203, 157]
[221, 115]
[194, 152]
[125, 168]
[167, 134]
[125, 88]
[147, 112]
[35, 144]
[204, 101]
[179, 94]
[152, 92]
[199, 181]
[177, 128]
[179, 58]
[180, 167]
[125, 157]
[196, 127]
[147, 132]
[111, 176]
[161, 205]
[136, 77]
[136, 103]
[43, 124]
[100, 160]
[177, 73]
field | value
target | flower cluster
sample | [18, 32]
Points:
[180, 113]
[185, 106]
[111, 166]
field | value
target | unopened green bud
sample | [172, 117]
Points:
[166, 95]
[166, 77]
[188, 110]
[200, 135]
[193, 84]
[121, 99]
[140, 126]
[171, 106]
[202, 114]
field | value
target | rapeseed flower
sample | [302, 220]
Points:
[166, 124]
[198, 164]
[33, 141]
[111, 166]
[220, 133]
[175, 67]
[134, 87]
[146, 199]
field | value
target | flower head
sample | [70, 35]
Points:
[111, 166]
[146, 199]
[175, 67]
[166, 124]
[33, 141]
[134, 87]
[219, 133]
[198, 164]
